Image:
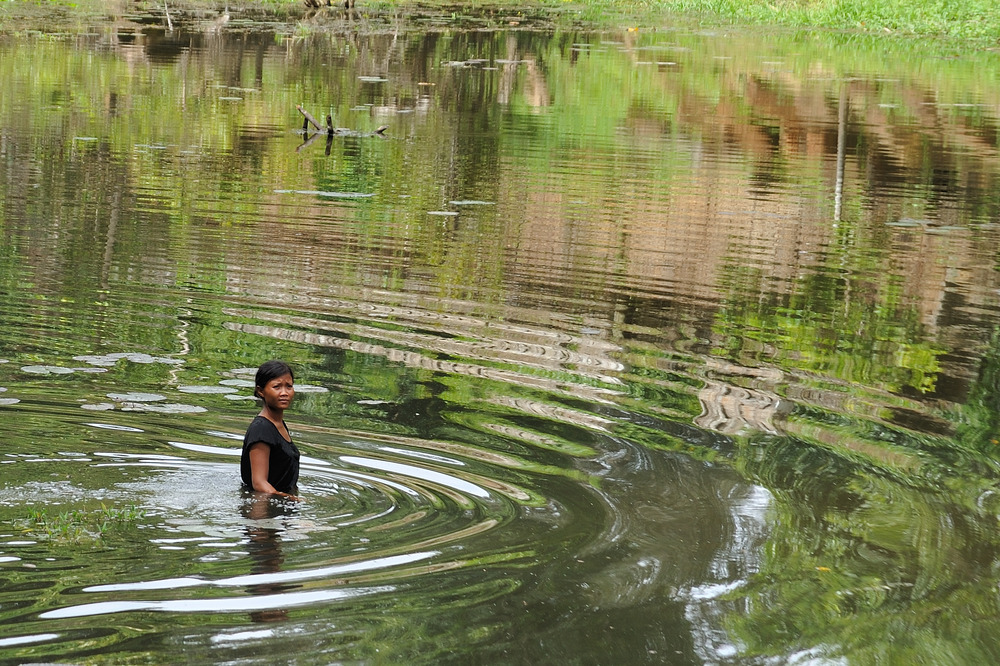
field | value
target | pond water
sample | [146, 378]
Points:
[615, 346]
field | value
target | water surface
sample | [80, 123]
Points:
[656, 346]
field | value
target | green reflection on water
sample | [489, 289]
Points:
[661, 268]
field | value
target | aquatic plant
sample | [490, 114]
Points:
[79, 524]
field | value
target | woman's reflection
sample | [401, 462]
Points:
[264, 546]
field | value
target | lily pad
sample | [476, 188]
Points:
[135, 357]
[309, 388]
[47, 370]
[98, 407]
[206, 389]
[241, 383]
[162, 408]
[136, 397]
[96, 360]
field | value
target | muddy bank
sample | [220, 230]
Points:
[290, 17]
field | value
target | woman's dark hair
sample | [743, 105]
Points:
[269, 370]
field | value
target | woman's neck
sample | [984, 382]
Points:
[273, 415]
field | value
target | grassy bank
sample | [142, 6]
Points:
[974, 22]
[977, 21]
[970, 23]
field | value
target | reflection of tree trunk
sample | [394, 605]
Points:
[109, 244]
[236, 78]
[258, 65]
[537, 92]
[389, 51]
[838, 192]
[508, 73]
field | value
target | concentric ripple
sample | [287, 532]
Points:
[372, 516]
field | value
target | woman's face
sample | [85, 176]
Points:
[278, 393]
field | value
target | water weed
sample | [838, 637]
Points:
[79, 524]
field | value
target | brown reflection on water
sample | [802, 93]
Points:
[720, 164]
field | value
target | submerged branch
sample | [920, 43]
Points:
[308, 116]
[308, 120]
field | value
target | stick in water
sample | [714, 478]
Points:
[308, 116]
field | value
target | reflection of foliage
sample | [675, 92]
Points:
[880, 571]
[825, 328]
[978, 420]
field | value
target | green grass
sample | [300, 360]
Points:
[977, 21]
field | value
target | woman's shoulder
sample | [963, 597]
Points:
[259, 427]
[262, 430]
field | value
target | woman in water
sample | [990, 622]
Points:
[270, 462]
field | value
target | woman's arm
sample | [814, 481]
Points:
[260, 460]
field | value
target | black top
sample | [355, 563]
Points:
[283, 464]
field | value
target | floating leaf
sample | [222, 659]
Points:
[98, 407]
[206, 389]
[136, 397]
[241, 383]
[309, 388]
[332, 195]
[134, 357]
[164, 408]
[47, 370]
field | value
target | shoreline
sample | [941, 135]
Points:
[966, 26]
